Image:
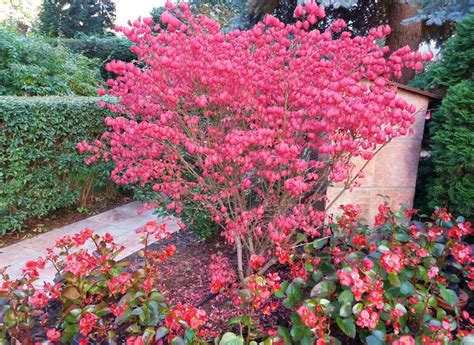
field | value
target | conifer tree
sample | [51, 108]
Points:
[68, 18]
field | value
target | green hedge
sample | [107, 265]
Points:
[40, 167]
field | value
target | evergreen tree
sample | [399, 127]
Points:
[452, 152]
[50, 18]
[452, 127]
[67, 18]
[457, 60]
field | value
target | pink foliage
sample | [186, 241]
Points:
[253, 125]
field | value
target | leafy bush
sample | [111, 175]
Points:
[40, 168]
[252, 125]
[395, 284]
[31, 67]
[194, 216]
[103, 48]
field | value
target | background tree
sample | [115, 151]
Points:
[67, 18]
[19, 13]
[50, 18]
[412, 21]
[446, 178]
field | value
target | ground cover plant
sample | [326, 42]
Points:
[252, 126]
[399, 283]
[99, 300]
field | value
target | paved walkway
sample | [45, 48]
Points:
[120, 222]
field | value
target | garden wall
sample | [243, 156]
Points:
[393, 170]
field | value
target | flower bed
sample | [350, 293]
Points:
[395, 284]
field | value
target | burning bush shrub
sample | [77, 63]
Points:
[253, 125]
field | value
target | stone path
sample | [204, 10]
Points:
[120, 222]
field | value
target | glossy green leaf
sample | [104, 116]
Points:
[231, 339]
[346, 296]
[448, 295]
[346, 310]
[347, 325]
[407, 288]
[373, 340]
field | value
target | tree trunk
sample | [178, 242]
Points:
[403, 34]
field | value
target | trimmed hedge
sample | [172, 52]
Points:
[40, 167]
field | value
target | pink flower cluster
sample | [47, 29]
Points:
[221, 273]
[261, 290]
[193, 317]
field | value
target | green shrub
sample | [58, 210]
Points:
[104, 49]
[29, 66]
[40, 167]
[194, 216]
[452, 152]
[446, 178]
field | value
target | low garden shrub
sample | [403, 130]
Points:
[29, 66]
[193, 216]
[99, 300]
[40, 168]
[400, 283]
[252, 125]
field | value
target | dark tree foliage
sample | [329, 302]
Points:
[50, 18]
[67, 18]
[105, 49]
[452, 153]
[156, 13]
[360, 17]
[447, 177]
[365, 14]
[457, 60]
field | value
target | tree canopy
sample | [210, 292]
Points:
[67, 18]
